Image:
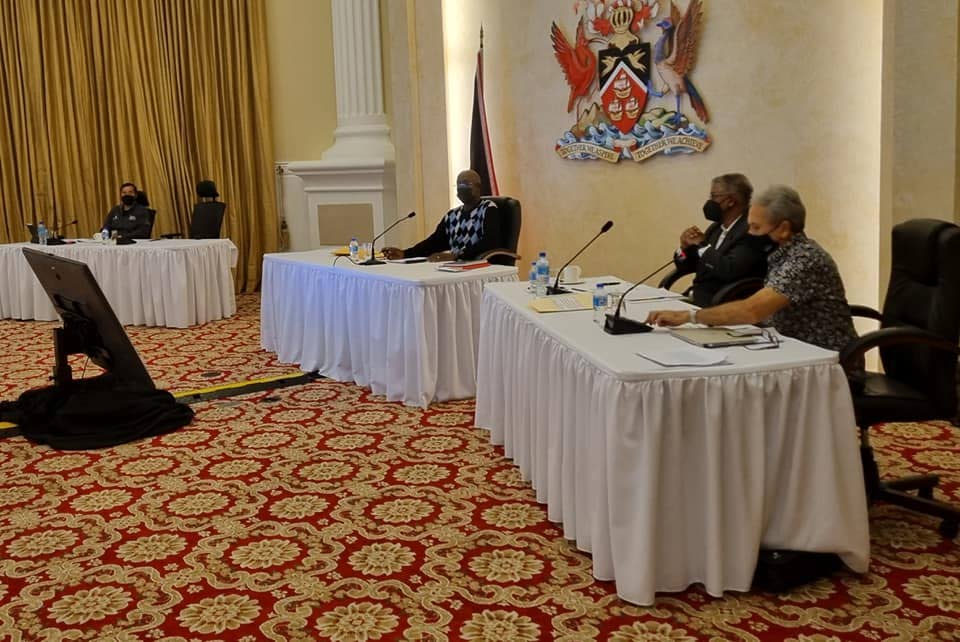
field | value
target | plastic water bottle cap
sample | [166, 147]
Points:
[543, 254]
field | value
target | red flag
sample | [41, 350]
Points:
[481, 159]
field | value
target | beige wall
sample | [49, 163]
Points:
[794, 98]
[300, 56]
[920, 130]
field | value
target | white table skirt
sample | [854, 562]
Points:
[172, 283]
[407, 332]
[672, 477]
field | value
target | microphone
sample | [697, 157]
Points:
[615, 324]
[60, 228]
[372, 259]
[55, 237]
[555, 288]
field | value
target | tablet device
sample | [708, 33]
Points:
[717, 337]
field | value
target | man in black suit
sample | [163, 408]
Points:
[129, 219]
[725, 253]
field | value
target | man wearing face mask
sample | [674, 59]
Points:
[803, 295]
[465, 232]
[725, 253]
[129, 219]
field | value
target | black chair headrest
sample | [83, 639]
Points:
[915, 249]
[207, 189]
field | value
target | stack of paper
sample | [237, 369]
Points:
[690, 356]
[563, 302]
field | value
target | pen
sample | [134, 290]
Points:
[605, 284]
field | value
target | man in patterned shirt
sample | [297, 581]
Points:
[803, 294]
[465, 232]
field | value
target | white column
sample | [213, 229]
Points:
[362, 130]
[359, 167]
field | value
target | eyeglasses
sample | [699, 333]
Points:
[717, 194]
[769, 340]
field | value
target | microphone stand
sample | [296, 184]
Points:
[372, 259]
[555, 288]
[615, 324]
[58, 235]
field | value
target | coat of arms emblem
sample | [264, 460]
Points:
[613, 74]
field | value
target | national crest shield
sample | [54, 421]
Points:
[624, 77]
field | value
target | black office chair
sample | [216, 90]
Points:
[918, 339]
[207, 217]
[511, 218]
[741, 289]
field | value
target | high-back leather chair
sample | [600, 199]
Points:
[511, 220]
[918, 343]
[207, 217]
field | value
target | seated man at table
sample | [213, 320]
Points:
[129, 219]
[725, 253]
[465, 232]
[803, 294]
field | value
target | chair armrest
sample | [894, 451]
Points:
[486, 256]
[853, 352]
[738, 290]
[865, 311]
[172, 235]
[671, 278]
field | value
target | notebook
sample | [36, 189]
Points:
[717, 337]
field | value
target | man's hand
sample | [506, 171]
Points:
[668, 317]
[692, 236]
[392, 253]
[437, 257]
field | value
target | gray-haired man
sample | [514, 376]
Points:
[803, 295]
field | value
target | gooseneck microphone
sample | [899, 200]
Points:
[60, 229]
[615, 324]
[372, 259]
[555, 288]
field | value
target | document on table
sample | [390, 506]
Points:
[676, 356]
[563, 302]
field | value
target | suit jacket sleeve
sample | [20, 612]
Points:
[436, 242]
[745, 258]
[491, 237]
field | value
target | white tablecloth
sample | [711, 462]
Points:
[672, 476]
[408, 332]
[172, 283]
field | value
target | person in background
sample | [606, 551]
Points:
[803, 294]
[129, 219]
[465, 232]
[725, 253]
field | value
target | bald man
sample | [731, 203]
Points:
[465, 232]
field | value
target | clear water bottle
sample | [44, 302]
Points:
[104, 234]
[599, 304]
[354, 249]
[543, 274]
[42, 233]
[533, 277]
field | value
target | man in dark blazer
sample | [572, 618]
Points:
[129, 219]
[725, 253]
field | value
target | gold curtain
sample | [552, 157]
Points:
[162, 93]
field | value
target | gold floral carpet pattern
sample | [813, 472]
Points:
[321, 512]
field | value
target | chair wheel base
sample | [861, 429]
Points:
[949, 528]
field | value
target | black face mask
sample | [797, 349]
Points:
[465, 194]
[712, 210]
[128, 200]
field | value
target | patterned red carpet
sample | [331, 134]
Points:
[320, 512]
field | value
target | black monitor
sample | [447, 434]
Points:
[89, 325]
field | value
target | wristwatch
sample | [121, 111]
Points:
[693, 315]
